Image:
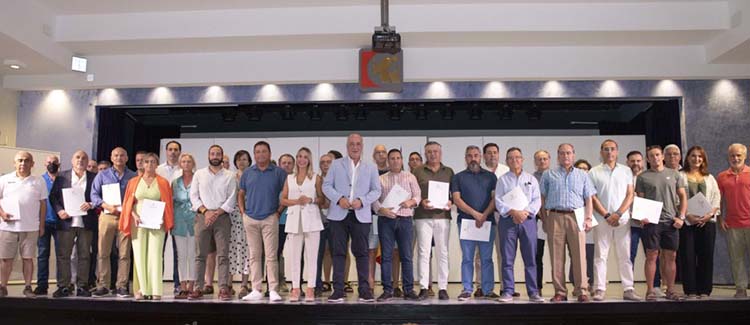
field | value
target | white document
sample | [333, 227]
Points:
[581, 219]
[469, 230]
[374, 225]
[646, 209]
[73, 198]
[516, 199]
[438, 194]
[152, 214]
[111, 194]
[397, 195]
[698, 205]
[12, 207]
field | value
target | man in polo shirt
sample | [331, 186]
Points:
[52, 165]
[518, 225]
[473, 191]
[171, 170]
[108, 223]
[352, 185]
[432, 223]
[260, 187]
[213, 194]
[662, 239]
[23, 208]
[734, 184]
[614, 195]
[565, 189]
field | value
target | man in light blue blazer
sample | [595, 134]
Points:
[352, 185]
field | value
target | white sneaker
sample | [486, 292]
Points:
[253, 296]
[273, 296]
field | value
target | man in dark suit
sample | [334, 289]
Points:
[75, 226]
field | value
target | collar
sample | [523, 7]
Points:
[270, 167]
[745, 169]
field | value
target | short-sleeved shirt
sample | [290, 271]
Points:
[476, 190]
[563, 190]
[29, 192]
[735, 190]
[424, 175]
[611, 188]
[262, 189]
[662, 186]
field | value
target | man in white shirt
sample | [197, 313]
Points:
[541, 163]
[213, 195]
[23, 206]
[614, 195]
[171, 170]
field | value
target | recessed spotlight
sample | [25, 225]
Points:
[15, 66]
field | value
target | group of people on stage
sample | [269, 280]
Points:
[282, 219]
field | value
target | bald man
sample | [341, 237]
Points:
[23, 206]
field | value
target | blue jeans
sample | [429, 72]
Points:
[635, 236]
[468, 247]
[391, 231]
[510, 235]
[43, 245]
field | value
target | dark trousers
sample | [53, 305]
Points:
[391, 231]
[92, 257]
[325, 238]
[341, 231]
[540, 262]
[175, 270]
[42, 260]
[635, 235]
[511, 235]
[697, 258]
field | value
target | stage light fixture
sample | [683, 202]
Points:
[229, 115]
[254, 114]
[475, 113]
[288, 113]
[315, 114]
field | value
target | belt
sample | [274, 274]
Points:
[561, 211]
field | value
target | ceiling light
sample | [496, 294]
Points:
[14, 64]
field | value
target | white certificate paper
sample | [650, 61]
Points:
[73, 198]
[698, 205]
[438, 194]
[581, 219]
[111, 194]
[646, 209]
[516, 199]
[12, 207]
[394, 198]
[152, 214]
[469, 230]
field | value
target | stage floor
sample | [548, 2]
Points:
[720, 308]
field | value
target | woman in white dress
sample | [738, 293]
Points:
[239, 259]
[302, 194]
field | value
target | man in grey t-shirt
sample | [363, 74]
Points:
[665, 185]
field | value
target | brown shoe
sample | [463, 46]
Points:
[3, 291]
[182, 295]
[195, 295]
[559, 298]
[583, 298]
[28, 292]
[208, 290]
[225, 294]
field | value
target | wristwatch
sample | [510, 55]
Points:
[607, 215]
[202, 210]
[682, 217]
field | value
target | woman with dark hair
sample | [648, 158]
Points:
[698, 236]
[239, 259]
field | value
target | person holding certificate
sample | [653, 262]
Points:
[71, 200]
[399, 197]
[698, 235]
[565, 189]
[147, 214]
[662, 239]
[473, 191]
[433, 221]
[107, 192]
[302, 194]
[518, 201]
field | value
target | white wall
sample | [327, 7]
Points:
[9, 120]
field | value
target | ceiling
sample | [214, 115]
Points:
[144, 43]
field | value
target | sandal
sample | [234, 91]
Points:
[326, 286]
[651, 296]
[674, 296]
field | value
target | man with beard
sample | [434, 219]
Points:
[52, 164]
[213, 195]
[473, 193]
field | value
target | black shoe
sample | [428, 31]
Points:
[337, 296]
[423, 294]
[39, 291]
[366, 297]
[267, 294]
[466, 295]
[100, 292]
[491, 295]
[411, 296]
[516, 294]
[61, 293]
[479, 293]
[81, 292]
[318, 293]
[123, 293]
[443, 294]
[398, 293]
[385, 296]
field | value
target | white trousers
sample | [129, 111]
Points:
[293, 254]
[605, 236]
[426, 230]
[185, 257]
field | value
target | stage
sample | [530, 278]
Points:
[720, 309]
